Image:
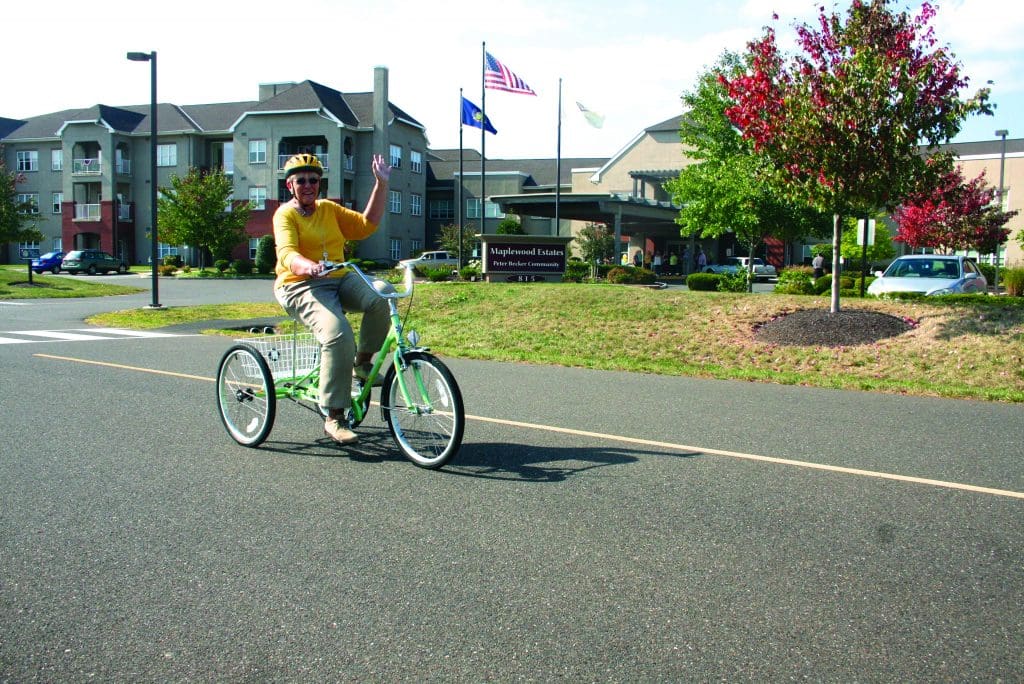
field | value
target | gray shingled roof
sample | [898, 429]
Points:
[538, 172]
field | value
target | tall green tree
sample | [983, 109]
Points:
[725, 190]
[448, 239]
[841, 122]
[17, 220]
[195, 211]
[596, 243]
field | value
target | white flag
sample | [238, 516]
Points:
[593, 118]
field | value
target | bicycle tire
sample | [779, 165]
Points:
[430, 433]
[246, 398]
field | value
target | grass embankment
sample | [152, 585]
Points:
[961, 350]
[14, 285]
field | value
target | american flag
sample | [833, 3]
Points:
[498, 77]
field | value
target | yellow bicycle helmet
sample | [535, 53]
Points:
[302, 162]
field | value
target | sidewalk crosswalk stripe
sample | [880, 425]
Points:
[80, 335]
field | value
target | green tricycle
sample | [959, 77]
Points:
[419, 398]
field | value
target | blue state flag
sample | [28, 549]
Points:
[472, 116]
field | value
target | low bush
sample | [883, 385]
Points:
[734, 282]
[439, 274]
[796, 280]
[824, 283]
[576, 271]
[1013, 280]
[627, 275]
[989, 271]
[172, 260]
[242, 266]
[222, 265]
[704, 282]
[166, 269]
[470, 272]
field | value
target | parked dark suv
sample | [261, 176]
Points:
[92, 261]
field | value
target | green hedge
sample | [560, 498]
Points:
[705, 282]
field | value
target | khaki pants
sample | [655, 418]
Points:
[320, 304]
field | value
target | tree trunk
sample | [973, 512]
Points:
[837, 240]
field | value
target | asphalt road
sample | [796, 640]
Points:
[596, 526]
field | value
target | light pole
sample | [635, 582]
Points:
[1002, 133]
[154, 253]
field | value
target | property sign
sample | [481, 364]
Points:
[29, 252]
[524, 258]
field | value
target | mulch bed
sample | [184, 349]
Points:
[820, 327]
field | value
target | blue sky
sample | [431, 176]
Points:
[628, 60]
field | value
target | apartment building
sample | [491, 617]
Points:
[87, 171]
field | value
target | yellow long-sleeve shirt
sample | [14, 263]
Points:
[322, 233]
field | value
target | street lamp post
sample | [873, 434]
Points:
[154, 247]
[1002, 133]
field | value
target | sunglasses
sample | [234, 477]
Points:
[312, 180]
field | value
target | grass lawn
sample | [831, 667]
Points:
[14, 285]
[971, 350]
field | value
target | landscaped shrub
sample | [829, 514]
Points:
[734, 282]
[576, 271]
[796, 280]
[242, 266]
[166, 269]
[824, 284]
[989, 271]
[1013, 280]
[621, 275]
[222, 265]
[705, 282]
[266, 255]
[172, 260]
[441, 273]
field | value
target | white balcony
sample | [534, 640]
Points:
[124, 167]
[86, 167]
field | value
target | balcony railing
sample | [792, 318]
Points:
[282, 158]
[124, 212]
[124, 167]
[87, 212]
[87, 167]
[350, 162]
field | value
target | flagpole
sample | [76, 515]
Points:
[462, 261]
[483, 134]
[558, 162]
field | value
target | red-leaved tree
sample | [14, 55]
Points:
[955, 214]
[841, 123]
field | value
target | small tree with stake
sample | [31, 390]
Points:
[17, 222]
[841, 123]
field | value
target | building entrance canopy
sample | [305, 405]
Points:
[625, 213]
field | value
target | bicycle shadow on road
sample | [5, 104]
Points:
[531, 463]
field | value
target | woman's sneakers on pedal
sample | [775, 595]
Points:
[361, 371]
[336, 430]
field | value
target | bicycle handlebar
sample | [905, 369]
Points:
[407, 283]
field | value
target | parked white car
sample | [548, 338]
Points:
[762, 271]
[432, 260]
[931, 274]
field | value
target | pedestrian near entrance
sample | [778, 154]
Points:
[656, 263]
[673, 263]
[702, 260]
[638, 258]
[818, 263]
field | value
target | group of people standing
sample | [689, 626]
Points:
[673, 263]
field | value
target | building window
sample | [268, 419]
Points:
[165, 250]
[28, 202]
[416, 204]
[229, 203]
[396, 156]
[254, 244]
[395, 249]
[416, 245]
[258, 197]
[28, 160]
[56, 160]
[472, 208]
[493, 210]
[58, 199]
[415, 161]
[442, 209]
[167, 155]
[394, 201]
[257, 151]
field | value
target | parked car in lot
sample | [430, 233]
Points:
[51, 261]
[92, 261]
[762, 271]
[931, 274]
[432, 260]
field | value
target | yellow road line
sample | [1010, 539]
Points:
[671, 446]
